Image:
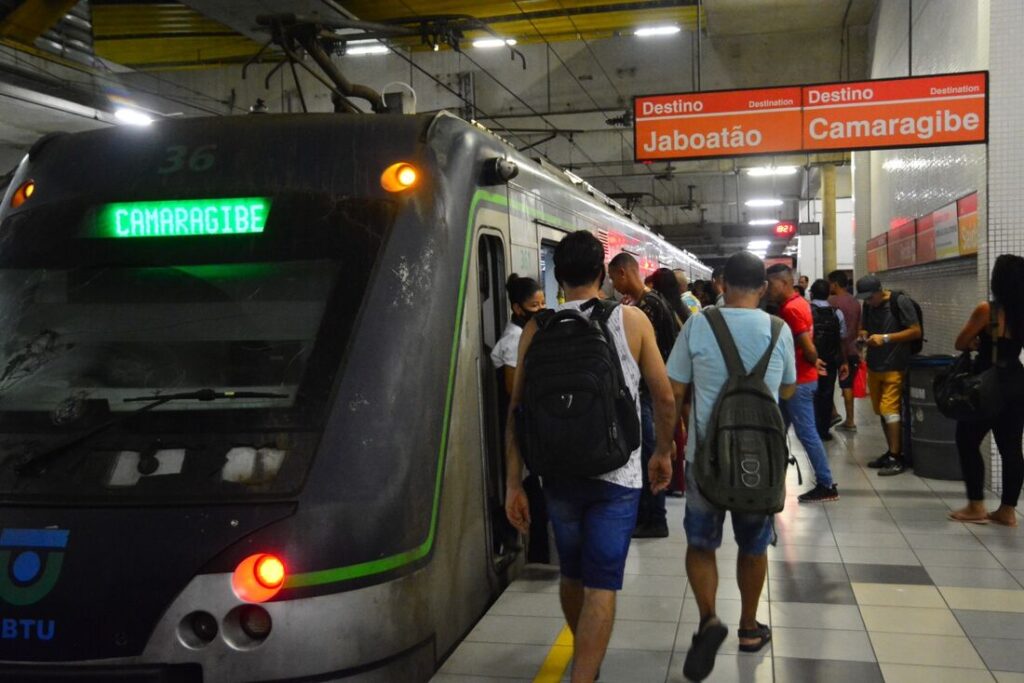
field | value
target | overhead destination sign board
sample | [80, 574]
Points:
[905, 112]
[714, 124]
[924, 111]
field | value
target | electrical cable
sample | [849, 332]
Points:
[622, 134]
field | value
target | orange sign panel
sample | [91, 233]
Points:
[904, 112]
[717, 124]
[923, 111]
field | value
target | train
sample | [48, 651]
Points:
[248, 426]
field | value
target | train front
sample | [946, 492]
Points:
[180, 495]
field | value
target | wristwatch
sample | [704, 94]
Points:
[885, 339]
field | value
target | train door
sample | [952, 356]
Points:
[502, 537]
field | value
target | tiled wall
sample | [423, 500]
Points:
[1006, 145]
[947, 293]
[948, 36]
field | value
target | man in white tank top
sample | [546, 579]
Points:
[593, 519]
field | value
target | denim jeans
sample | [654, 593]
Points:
[652, 507]
[799, 412]
[593, 522]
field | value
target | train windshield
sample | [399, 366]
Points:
[194, 360]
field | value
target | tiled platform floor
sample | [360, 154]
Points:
[878, 586]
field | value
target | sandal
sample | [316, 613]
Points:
[952, 516]
[762, 632]
[700, 660]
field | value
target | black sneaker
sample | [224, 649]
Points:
[883, 460]
[894, 467]
[651, 530]
[820, 494]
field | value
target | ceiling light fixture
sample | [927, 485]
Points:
[760, 254]
[358, 48]
[657, 31]
[761, 171]
[764, 221]
[763, 203]
[132, 117]
[758, 245]
[494, 42]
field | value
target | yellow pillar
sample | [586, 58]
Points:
[828, 211]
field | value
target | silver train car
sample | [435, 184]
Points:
[249, 430]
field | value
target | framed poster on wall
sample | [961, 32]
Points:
[878, 253]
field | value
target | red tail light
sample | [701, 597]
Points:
[259, 577]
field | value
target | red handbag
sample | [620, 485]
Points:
[860, 381]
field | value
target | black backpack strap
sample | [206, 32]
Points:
[726, 344]
[894, 308]
[601, 314]
[543, 318]
[602, 309]
[761, 369]
[993, 330]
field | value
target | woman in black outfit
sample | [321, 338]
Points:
[664, 282]
[1008, 307]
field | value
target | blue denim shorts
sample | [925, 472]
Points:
[593, 522]
[703, 523]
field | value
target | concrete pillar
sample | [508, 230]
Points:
[828, 215]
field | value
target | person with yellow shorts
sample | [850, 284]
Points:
[889, 324]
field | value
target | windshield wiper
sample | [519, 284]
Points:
[34, 464]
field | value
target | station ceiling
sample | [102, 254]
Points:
[700, 205]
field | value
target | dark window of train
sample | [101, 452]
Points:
[493, 401]
[547, 272]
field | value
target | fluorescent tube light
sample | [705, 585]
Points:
[493, 42]
[763, 203]
[657, 31]
[132, 117]
[764, 221]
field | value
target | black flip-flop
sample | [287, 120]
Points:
[762, 632]
[700, 660]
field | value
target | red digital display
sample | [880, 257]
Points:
[785, 229]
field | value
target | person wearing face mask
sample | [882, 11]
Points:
[527, 298]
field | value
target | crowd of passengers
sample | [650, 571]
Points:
[671, 361]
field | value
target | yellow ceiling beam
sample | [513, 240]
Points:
[165, 36]
[33, 18]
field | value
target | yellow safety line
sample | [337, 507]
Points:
[555, 664]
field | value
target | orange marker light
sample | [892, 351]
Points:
[270, 571]
[22, 194]
[399, 177]
[258, 577]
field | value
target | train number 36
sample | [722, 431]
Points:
[179, 158]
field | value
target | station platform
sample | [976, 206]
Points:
[878, 586]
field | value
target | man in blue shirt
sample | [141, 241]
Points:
[696, 365]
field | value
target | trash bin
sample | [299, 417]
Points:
[932, 435]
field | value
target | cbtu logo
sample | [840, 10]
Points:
[30, 563]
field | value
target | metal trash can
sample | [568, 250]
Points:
[932, 435]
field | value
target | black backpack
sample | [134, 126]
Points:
[741, 462]
[577, 417]
[917, 345]
[828, 335]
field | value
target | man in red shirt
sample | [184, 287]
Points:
[799, 410]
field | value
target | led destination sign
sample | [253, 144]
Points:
[182, 218]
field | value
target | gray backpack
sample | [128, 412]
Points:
[741, 462]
